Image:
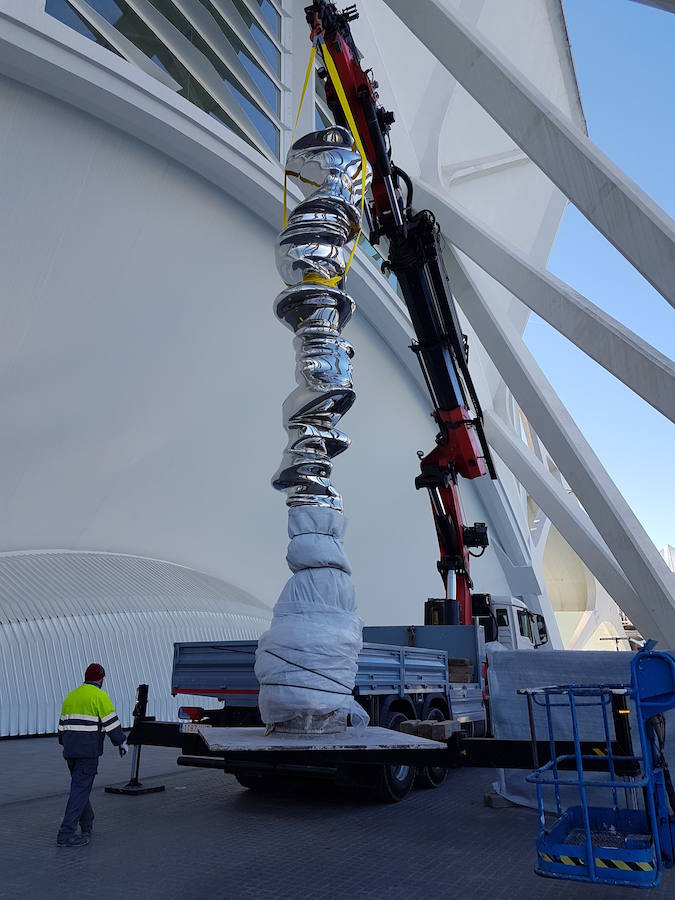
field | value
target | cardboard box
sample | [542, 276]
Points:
[461, 676]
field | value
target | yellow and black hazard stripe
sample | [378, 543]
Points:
[601, 862]
[624, 864]
[565, 860]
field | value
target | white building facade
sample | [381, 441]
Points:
[143, 371]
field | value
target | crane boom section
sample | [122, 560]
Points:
[414, 255]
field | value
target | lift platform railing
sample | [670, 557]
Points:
[630, 841]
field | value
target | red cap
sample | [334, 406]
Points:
[95, 672]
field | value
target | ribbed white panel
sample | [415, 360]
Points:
[123, 46]
[60, 611]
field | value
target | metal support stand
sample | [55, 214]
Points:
[134, 786]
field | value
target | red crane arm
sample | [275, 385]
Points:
[416, 259]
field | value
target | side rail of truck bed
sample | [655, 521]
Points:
[225, 670]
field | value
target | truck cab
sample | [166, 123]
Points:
[516, 626]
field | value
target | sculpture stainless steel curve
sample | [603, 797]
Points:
[311, 251]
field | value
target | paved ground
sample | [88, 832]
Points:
[206, 838]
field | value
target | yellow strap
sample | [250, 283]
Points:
[313, 278]
[308, 73]
[339, 90]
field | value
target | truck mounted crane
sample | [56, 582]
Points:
[414, 256]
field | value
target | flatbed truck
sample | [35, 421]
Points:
[394, 683]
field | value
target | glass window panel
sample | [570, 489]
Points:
[269, 51]
[320, 87]
[524, 624]
[65, 13]
[271, 16]
[229, 78]
[320, 121]
[269, 89]
[272, 61]
[158, 62]
[267, 130]
[109, 9]
[502, 618]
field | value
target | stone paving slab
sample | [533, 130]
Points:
[207, 838]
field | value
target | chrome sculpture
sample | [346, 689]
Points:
[311, 250]
[306, 662]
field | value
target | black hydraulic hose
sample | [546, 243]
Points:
[376, 136]
[408, 183]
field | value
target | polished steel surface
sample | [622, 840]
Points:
[314, 239]
[314, 245]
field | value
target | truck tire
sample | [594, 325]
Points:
[428, 777]
[283, 784]
[393, 783]
[258, 783]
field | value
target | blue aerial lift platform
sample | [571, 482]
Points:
[629, 839]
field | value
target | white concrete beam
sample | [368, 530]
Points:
[616, 522]
[616, 348]
[567, 516]
[588, 625]
[521, 579]
[666, 5]
[618, 208]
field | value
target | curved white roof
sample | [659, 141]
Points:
[61, 610]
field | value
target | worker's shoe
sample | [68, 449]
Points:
[77, 840]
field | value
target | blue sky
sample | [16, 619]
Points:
[624, 55]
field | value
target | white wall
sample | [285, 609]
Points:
[143, 372]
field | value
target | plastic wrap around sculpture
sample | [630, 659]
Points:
[306, 663]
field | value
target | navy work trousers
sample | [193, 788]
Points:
[78, 809]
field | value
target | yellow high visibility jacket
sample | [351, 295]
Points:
[86, 715]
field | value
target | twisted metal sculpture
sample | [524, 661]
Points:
[311, 257]
[306, 663]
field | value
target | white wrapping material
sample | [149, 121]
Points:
[513, 669]
[306, 663]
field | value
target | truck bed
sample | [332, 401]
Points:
[224, 670]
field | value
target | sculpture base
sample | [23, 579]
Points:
[309, 723]
[242, 740]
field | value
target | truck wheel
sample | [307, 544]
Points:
[393, 783]
[256, 783]
[431, 776]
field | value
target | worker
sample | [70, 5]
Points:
[86, 716]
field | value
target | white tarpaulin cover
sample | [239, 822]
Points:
[306, 663]
[508, 671]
